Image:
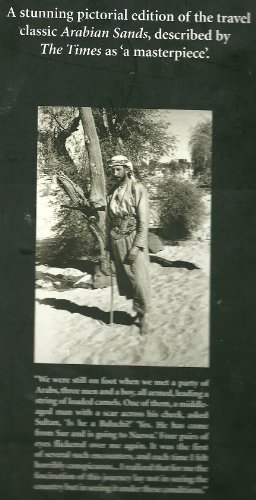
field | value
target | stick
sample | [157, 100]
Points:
[112, 297]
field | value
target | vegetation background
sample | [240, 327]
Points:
[176, 186]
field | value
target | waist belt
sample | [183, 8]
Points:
[122, 226]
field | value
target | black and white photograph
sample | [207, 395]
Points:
[123, 234]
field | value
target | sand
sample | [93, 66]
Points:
[72, 319]
[71, 323]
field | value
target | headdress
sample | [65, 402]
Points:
[123, 161]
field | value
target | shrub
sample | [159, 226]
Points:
[181, 208]
[72, 240]
[74, 236]
[201, 152]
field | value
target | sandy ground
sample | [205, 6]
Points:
[72, 319]
[71, 323]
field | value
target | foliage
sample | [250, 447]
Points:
[181, 208]
[73, 239]
[138, 134]
[74, 235]
[201, 152]
[173, 167]
[55, 126]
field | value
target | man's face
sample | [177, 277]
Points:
[119, 172]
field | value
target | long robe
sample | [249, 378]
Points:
[127, 226]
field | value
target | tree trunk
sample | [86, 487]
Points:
[97, 196]
[93, 208]
[98, 188]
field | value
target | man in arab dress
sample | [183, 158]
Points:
[127, 228]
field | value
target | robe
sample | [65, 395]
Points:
[127, 226]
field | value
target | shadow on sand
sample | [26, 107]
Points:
[120, 317]
[173, 263]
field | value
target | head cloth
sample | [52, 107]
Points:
[120, 160]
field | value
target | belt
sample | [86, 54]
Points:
[122, 226]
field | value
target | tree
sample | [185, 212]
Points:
[93, 206]
[136, 133]
[201, 152]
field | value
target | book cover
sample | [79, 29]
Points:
[127, 162]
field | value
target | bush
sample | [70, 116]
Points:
[72, 240]
[181, 208]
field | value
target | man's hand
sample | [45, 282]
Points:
[132, 255]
